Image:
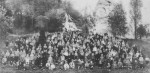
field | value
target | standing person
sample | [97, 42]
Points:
[42, 38]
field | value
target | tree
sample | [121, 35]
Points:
[23, 12]
[41, 22]
[117, 21]
[51, 21]
[84, 23]
[30, 14]
[6, 23]
[136, 14]
[141, 31]
[43, 14]
[43, 6]
[14, 5]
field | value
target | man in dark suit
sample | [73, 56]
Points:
[42, 38]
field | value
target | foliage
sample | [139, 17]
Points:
[5, 22]
[73, 13]
[117, 21]
[81, 21]
[55, 19]
[43, 6]
[141, 31]
[33, 15]
[52, 14]
[136, 14]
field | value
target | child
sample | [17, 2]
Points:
[86, 64]
[52, 67]
[72, 64]
[114, 65]
[66, 66]
[141, 61]
[4, 60]
[91, 64]
[100, 63]
[120, 64]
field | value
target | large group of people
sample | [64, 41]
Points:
[72, 50]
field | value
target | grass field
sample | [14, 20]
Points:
[143, 44]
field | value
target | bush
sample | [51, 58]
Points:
[141, 31]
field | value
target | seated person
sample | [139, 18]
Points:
[66, 66]
[87, 64]
[4, 60]
[72, 64]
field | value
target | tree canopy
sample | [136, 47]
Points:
[136, 14]
[117, 21]
[141, 31]
[32, 14]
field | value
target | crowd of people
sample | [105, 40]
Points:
[72, 50]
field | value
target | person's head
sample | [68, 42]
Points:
[17, 50]
[7, 51]
[140, 55]
[134, 45]
[92, 54]
[11, 49]
[65, 62]
[27, 55]
[114, 62]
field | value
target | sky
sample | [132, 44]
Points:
[146, 11]
[90, 6]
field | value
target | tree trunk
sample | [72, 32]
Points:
[135, 28]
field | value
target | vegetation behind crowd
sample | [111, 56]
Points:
[26, 16]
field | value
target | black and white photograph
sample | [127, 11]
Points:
[74, 36]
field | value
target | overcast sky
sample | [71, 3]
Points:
[80, 5]
[90, 5]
